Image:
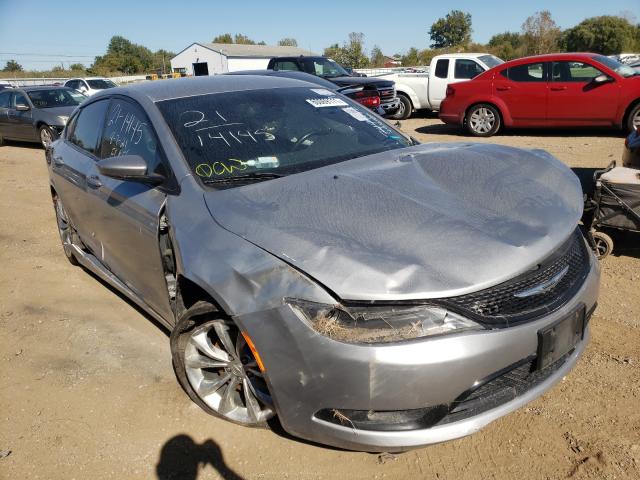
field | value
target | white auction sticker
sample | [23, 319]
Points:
[355, 114]
[323, 91]
[327, 102]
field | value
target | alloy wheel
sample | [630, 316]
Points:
[45, 137]
[636, 120]
[482, 120]
[223, 372]
[65, 230]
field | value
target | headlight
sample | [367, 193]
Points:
[379, 324]
[63, 119]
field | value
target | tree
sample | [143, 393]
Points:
[411, 59]
[351, 54]
[243, 39]
[377, 57]
[540, 34]
[507, 45]
[452, 30]
[606, 35]
[124, 56]
[288, 42]
[76, 66]
[224, 38]
[12, 66]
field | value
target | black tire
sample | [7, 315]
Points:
[65, 230]
[201, 314]
[46, 132]
[1, 141]
[633, 119]
[405, 110]
[603, 245]
[483, 120]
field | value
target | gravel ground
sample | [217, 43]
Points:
[87, 389]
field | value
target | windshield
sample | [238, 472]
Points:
[56, 97]
[616, 66]
[101, 84]
[276, 131]
[490, 60]
[324, 67]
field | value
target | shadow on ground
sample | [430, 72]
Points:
[181, 459]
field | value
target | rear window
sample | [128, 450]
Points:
[56, 97]
[529, 72]
[101, 84]
[282, 131]
[442, 68]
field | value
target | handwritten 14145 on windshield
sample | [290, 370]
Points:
[221, 130]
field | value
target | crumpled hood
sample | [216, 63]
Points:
[428, 221]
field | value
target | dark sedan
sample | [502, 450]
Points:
[36, 114]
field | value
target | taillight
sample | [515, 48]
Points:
[368, 98]
[450, 91]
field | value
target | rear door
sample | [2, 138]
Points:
[438, 82]
[574, 99]
[5, 102]
[125, 214]
[524, 90]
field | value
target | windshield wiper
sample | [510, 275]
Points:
[248, 177]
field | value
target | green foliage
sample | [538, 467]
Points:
[606, 34]
[540, 34]
[351, 54]
[377, 57]
[224, 38]
[411, 59]
[76, 66]
[507, 45]
[128, 58]
[452, 30]
[243, 39]
[58, 69]
[12, 66]
[288, 42]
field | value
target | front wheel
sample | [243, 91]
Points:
[46, 135]
[217, 369]
[482, 120]
[65, 230]
[405, 109]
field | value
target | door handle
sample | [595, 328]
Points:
[58, 162]
[503, 89]
[558, 89]
[93, 181]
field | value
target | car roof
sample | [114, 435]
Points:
[307, 77]
[548, 57]
[87, 78]
[463, 55]
[42, 87]
[160, 90]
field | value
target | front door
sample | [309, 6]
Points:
[125, 214]
[5, 102]
[524, 90]
[20, 122]
[575, 99]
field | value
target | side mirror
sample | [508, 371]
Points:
[602, 79]
[21, 107]
[128, 167]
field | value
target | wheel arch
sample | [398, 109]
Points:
[627, 111]
[410, 94]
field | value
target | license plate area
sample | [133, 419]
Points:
[559, 338]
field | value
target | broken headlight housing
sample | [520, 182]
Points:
[380, 324]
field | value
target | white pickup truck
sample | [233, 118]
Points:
[420, 91]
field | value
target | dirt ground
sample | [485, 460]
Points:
[87, 390]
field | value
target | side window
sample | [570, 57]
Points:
[19, 99]
[442, 68]
[73, 84]
[128, 131]
[573, 72]
[4, 99]
[71, 125]
[467, 69]
[87, 126]
[529, 72]
[287, 65]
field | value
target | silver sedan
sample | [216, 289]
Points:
[318, 267]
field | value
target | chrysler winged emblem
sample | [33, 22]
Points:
[544, 286]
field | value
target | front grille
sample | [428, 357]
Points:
[387, 94]
[499, 306]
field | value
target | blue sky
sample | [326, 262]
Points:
[81, 30]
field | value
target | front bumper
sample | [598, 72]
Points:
[308, 372]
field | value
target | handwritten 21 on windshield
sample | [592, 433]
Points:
[207, 129]
[130, 131]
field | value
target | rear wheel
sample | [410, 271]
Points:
[217, 369]
[482, 120]
[603, 245]
[65, 230]
[405, 109]
[633, 120]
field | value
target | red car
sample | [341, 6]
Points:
[564, 89]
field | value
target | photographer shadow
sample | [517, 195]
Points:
[181, 459]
